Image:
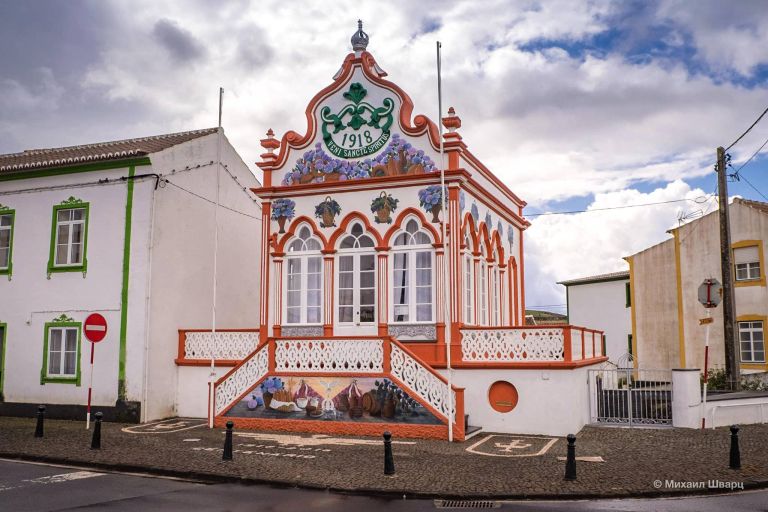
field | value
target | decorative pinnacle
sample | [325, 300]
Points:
[359, 38]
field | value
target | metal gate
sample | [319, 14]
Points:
[630, 396]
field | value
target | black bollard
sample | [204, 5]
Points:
[735, 453]
[570, 461]
[389, 461]
[228, 442]
[40, 418]
[96, 439]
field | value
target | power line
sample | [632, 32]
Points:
[208, 200]
[751, 185]
[753, 156]
[696, 200]
[748, 130]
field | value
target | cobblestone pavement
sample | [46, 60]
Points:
[517, 467]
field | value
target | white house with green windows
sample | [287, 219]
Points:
[126, 229]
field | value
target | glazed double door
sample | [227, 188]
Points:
[356, 294]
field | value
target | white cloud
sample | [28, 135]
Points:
[561, 247]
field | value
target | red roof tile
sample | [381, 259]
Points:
[32, 159]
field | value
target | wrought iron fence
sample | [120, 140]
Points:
[630, 396]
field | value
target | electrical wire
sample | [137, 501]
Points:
[696, 200]
[165, 180]
[751, 185]
[753, 156]
[748, 130]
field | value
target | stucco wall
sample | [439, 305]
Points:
[602, 306]
[550, 402]
[182, 258]
[30, 299]
[655, 306]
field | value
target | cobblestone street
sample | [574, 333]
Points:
[617, 462]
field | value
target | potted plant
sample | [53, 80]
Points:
[327, 211]
[431, 200]
[383, 206]
[400, 157]
[282, 210]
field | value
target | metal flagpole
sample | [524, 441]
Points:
[212, 376]
[446, 276]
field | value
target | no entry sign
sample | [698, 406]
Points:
[95, 327]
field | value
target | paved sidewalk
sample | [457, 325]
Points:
[498, 465]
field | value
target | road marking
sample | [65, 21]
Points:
[315, 440]
[596, 458]
[63, 477]
[164, 427]
[513, 446]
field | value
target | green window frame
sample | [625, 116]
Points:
[629, 345]
[3, 350]
[66, 324]
[6, 213]
[82, 266]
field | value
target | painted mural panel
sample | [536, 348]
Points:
[330, 398]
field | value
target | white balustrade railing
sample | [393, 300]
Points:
[422, 382]
[513, 345]
[223, 345]
[329, 356]
[241, 379]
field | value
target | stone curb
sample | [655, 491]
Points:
[213, 478]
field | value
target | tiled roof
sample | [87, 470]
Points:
[758, 205]
[613, 276]
[32, 159]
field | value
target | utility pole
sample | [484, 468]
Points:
[732, 370]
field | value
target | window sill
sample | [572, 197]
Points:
[749, 282]
[73, 268]
[60, 380]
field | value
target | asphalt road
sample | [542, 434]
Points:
[38, 488]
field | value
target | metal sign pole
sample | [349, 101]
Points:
[90, 388]
[706, 367]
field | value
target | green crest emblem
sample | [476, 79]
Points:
[359, 128]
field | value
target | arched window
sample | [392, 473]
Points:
[495, 295]
[413, 275]
[357, 277]
[304, 278]
[483, 286]
[469, 281]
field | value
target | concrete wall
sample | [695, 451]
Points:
[550, 402]
[602, 306]
[654, 299]
[182, 258]
[192, 390]
[687, 407]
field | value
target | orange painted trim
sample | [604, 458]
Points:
[567, 350]
[328, 330]
[468, 228]
[397, 226]
[522, 279]
[348, 219]
[402, 430]
[294, 226]
[205, 362]
[538, 365]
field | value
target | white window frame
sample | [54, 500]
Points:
[752, 270]
[356, 252]
[411, 252]
[71, 224]
[483, 298]
[62, 353]
[469, 288]
[495, 296]
[751, 327]
[303, 257]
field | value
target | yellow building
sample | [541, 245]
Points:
[664, 280]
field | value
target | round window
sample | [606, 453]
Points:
[502, 396]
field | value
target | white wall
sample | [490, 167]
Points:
[30, 299]
[550, 402]
[602, 306]
[192, 390]
[182, 258]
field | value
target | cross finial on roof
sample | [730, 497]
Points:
[359, 38]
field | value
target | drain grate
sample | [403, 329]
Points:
[467, 504]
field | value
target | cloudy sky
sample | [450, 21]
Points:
[576, 106]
